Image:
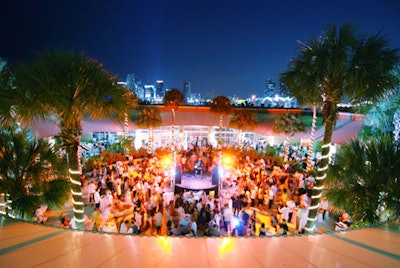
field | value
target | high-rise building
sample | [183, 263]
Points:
[270, 89]
[187, 89]
[131, 81]
[160, 91]
[135, 85]
[149, 92]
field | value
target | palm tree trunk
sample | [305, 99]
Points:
[322, 169]
[126, 125]
[312, 137]
[220, 130]
[150, 141]
[286, 153]
[76, 185]
[126, 130]
[240, 138]
[172, 130]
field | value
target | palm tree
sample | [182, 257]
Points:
[380, 115]
[222, 106]
[65, 87]
[6, 88]
[299, 82]
[172, 100]
[31, 173]
[343, 65]
[242, 120]
[122, 146]
[149, 117]
[288, 124]
[364, 179]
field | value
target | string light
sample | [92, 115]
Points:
[76, 193]
[311, 229]
[323, 168]
[76, 172]
[316, 196]
[6, 205]
[79, 203]
[9, 204]
[78, 210]
[326, 145]
[77, 220]
[75, 181]
[325, 156]
[312, 219]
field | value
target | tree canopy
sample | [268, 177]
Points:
[31, 172]
[364, 179]
[64, 87]
[340, 64]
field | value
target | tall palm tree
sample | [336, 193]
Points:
[343, 65]
[222, 106]
[242, 120]
[65, 86]
[364, 179]
[31, 173]
[172, 100]
[288, 124]
[299, 82]
[149, 117]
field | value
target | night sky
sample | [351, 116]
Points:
[225, 47]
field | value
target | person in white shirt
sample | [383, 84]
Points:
[138, 218]
[72, 223]
[284, 210]
[123, 229]
[193, 227]
[227, 214]
[271, 196]
[105, 206]
[91, 190]
[97, 197]
[181, 213]
[303, 212]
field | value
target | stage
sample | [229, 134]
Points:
[196, 182]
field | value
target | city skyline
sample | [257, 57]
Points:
[221, 47]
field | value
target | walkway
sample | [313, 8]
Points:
[31, 245]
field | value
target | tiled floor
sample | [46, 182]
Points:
[30, 245]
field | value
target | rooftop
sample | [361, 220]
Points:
[25, 244]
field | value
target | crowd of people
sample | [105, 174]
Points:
[135, 197]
